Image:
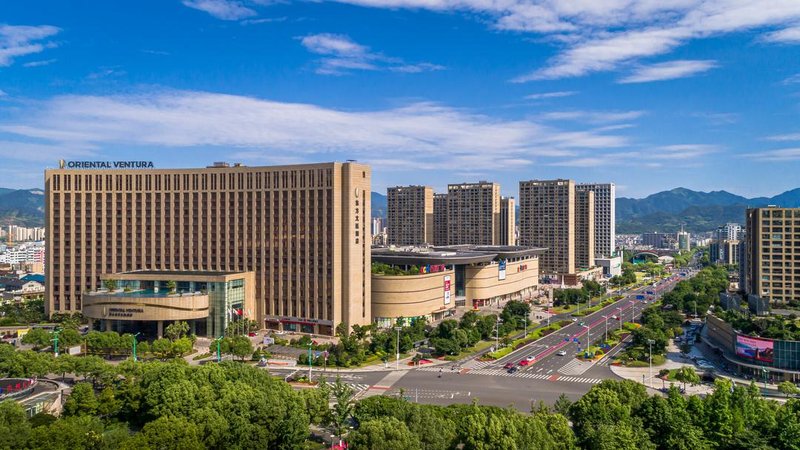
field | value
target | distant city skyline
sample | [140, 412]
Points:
[650, 96]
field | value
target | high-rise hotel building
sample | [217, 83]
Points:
[772, 254]
[410, 215]
[304, 230]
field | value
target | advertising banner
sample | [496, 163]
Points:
[755, 348]
[447, 289]
[501, 270]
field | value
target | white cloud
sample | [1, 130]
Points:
[3, 93]
[222, 9]
[669, 70]
[785, 36]
[546, 95]
[420, 132]
[792, 79]
[682, 151]
[341, 55]
[784, 154]
[45, 62]
[595, 117]
[785, 137]
[605, 35]
[21, 40]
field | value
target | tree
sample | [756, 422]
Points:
[239, 346]
[384, 433]
[176, 330]
[171, 286]
[81, 401]
[161, 348]
[342, 410]
[788, 388]
[562, 405]
[110, 284]
[181, 347]
[38, 337]
[172, 433]
[686, 374]
[14, 427]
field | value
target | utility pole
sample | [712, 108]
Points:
[397, 358]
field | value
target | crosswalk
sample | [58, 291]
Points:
[575, 367]
[536, 376]
[358, 387]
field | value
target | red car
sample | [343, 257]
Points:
[508, 365]
[524, 362]
[252, 334]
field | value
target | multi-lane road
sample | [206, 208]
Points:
[548, 375]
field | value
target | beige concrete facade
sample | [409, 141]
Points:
[410, 215]
[115, 307]
[303, 229]
[772, 253]
[483, 282]
[584, 229]
[547, 219]
[473, 213]
[508, 222]
[395, 296]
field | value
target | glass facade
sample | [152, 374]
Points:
[787, 355]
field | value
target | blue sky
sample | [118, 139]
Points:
[648, 94]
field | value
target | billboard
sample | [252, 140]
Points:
[755, 348]
[447, 289]
[501, 270]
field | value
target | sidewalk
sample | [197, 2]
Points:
[675, 361]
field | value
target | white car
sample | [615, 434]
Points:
[574, 319]
[562, 353]
[530, 358]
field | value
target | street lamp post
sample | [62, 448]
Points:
[309, 362]
[650, 342]
[397, 356]
[620, 317]
[526, 326]
[134, 346]
[55, 342]
[605, 336]
[219, 353]
[497, 334]
[588, 338]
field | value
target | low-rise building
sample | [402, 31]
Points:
[147, 300]
[430, 282]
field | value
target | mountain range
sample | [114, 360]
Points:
[24, 207]
[667, 211]
[663, 211]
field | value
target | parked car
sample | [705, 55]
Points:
[252, 334]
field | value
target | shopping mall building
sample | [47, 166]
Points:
[759, 358]
[429, 283]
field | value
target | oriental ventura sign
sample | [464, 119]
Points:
[105, 164]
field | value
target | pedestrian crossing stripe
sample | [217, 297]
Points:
[536, 376]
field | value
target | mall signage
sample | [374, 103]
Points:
[105, 164]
